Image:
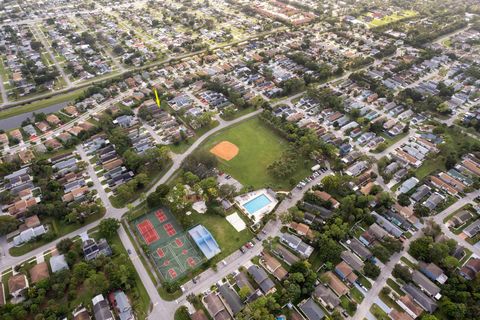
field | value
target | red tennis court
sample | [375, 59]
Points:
[172, 273]
[191, 262]
[170, 229]
[179, 242]
[160, 253]
[148, 232]
[161, 216]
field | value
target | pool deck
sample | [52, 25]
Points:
[258, 214]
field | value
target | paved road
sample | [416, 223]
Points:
[41, 37]
[117, 213]
[456, 206]
[373, 293]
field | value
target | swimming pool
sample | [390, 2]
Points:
[257, 203]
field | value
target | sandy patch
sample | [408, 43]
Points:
[225, 150]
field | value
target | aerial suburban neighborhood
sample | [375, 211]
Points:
[233, 159]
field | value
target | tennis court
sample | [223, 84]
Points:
[171, 248]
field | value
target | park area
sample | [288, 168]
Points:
[392, 18]
[251, 147]
[171, 249]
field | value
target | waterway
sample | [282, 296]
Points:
[16, 121]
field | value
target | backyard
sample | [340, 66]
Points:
[258, 147]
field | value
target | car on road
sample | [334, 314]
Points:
[249, 245]
[129, 251]
[242, 249]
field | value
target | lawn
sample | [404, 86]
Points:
[226, 236]
[258, 147]
[182, 314]
[395, 286]
[59, 227]
[378, 312]
[356, 295]
[392, 18]
[41, 103]
[182, 146]
[455, 142]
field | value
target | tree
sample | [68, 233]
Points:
[97, 283]
[404, 200]
[402, 272]
[162, 190]
[108, 227]
[260, 309]
[227, 191]
[392, 244]
[420, 248]
[381, 253]
[244, 293]
[7, 224]
[331, 250]
[64, 245]
[371, 270]
[154, 200]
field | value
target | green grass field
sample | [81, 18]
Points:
[392, 18]
[258, 147]
[224, 233]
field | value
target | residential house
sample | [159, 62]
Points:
[359, 249]
[433, 272]
[336, 284]
[324, 196]
[241, 280]
[231, 298]
[297, 244]
[28, 235]
[420, 193]
[119, 301]
[410, 306]
[399, 315]
[17, 284]
[352, 260]
[326, 296]
[58, 263]
[81, 313]
[433, 201]
[408, 185]
[473, 229]
[261, 278]
[273, 266]
[285, 254]
[101, 309]
[387, 225]
[300, 228]
[311, 310]
[420, 298]
[199, 315]
[345, 272]
[425, 284]
[92, 249]
[216, 308]
[39, 272]
[460, 218]
[471, 269]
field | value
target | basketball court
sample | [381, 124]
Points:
[171, 249]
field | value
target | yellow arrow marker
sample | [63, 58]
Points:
[156, 97]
